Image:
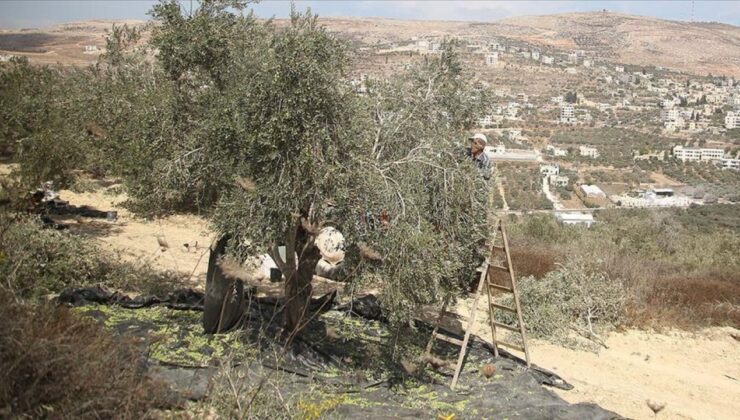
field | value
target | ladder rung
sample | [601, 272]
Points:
[499, 267]
[448, 339]
[500, 287]
[513, 346]
[504, 307]
[506, 327]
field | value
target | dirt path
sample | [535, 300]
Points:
[696, 375]
[138, 239]
[556, 204]
[503, 194]
[664, 180]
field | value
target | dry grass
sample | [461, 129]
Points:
[534, 260]
[56, 364]
[687, 301]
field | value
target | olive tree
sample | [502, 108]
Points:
[385, 168]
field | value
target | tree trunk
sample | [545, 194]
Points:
[298, 282]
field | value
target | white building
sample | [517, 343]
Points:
[588, 151]
[567, 114]
[535, 55]
[486, 120]
[592, 191]
[658, 155]
[669, 114]
[732, 120]
[549, 170]
[546, 59]
[730, 164]
[559, 180]
[734, 100]
[556, 151]
[695, 154]
[619, 69]
[422, 44]
[587, 62]
[585, 219]
[511, 111]
[492, 59]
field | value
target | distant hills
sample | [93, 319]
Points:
[697, 48]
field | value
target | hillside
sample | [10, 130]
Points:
[698, 48]
[693, 47]
[63, 43]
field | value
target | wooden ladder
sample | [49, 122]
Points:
[485, 282]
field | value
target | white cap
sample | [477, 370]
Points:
[479, 136]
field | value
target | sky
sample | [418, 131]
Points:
[15, 14]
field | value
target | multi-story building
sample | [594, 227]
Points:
[567, 113]
[556, 151]
[734, 100]
[559, 180]
[730, 164]
[669, 114]
[511, 111]
[732, 120]
[486, 121]
[492, 59]
[549, 170]
[588, 151]
[696, 154]
[513, 135]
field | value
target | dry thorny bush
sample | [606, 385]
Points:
[54, 363]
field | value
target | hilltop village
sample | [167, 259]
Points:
[571, 130]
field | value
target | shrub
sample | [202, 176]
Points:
[574, 298]
[57, 364]
[236, 393]
[35, 262]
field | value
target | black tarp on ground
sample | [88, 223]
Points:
[350, 356]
